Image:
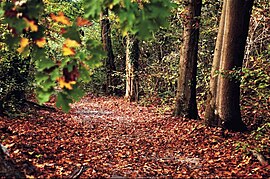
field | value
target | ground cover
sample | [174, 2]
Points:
[110, 137]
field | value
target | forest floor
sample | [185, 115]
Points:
[110, 137]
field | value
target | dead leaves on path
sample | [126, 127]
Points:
[113, 138]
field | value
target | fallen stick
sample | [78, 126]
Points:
[260, 157]
[77, 173]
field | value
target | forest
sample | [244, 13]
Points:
[134, 89]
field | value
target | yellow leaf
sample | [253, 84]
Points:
[41, 42]
[31, 25]
[68, 51]
[61, 18]
[71, 43]
[23, 43]
[64, 84]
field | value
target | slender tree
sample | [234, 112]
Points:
[132, 58]
[186, 105]
[223, 103]
[107, 46]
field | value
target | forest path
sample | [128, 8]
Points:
[112, 137]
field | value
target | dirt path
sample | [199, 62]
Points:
[114, 138]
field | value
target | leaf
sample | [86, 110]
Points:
[83, 22]
[17, 25]
[62, 101]
[72, 33]
[92, 8]
[68, 51]
[41, 42]
[42, 95]
[71, 43]
[23, 43]
[61, 18]
[76, 93]
[64, 84]
[31, 25]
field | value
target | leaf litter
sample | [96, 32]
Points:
[110, 137]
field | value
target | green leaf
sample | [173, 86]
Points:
[41, 77]
[12, 41]
[72, 33]
[17, 24]
[84, 74]
[43, 96]
[34, 8]
[62, 101]
[55, 74]
[44, 63]
[92, 8]
[76, 93]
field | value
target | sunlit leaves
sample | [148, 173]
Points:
[64, 84]
[71, 43]
[23, 43]
[67, 51]
[82, 22]
[41, 42]
[31, 25]
[61, 18]
[68, 47]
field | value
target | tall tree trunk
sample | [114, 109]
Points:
[223, 104]
[107, 46]
[132, 65]
[186, 105]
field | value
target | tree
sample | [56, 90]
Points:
[186, 105]
[132, 65]
[223, 103]
[107, 47]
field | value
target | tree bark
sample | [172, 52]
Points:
[132, 65]
[107, 46]
[223, 104]
[186, 105]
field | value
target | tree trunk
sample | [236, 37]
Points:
[107, 46]
[186, 105]
[132, 58]
[223, 104]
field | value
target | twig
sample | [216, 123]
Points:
[260, 157]
[77, 173]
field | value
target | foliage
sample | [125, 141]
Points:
[255, 73]
[141, 18]
[16, 76]
[62, 65]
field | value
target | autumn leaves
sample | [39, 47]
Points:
[69, 45]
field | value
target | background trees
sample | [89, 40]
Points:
[158, 56]
[62, 50]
